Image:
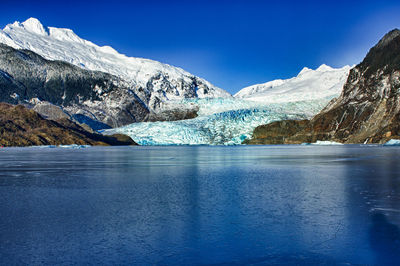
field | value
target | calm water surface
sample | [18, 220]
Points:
[200, 205]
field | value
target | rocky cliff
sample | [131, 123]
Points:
[367, 111]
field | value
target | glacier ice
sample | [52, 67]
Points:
[220, 122]
[74, 146]
[67, 146]
[393, 142]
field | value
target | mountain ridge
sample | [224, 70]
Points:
[309, 84]
[158, 82]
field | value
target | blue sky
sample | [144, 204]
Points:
[232, 44]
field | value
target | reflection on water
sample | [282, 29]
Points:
[385, 240]
[200, 205]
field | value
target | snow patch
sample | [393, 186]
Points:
[14, 96]
[34, 101]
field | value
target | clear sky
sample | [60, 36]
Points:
[232, 44]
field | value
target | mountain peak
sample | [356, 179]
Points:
[388, 38]
[304, 70]
[34, 25]
[64, 45]
[323, 68]
[385, 56]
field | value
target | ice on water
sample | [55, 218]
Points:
[324, 143]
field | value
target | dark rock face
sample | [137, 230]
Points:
[173, 115]
[368, 109]
[24, 76]
[20, 126]
[277, 132]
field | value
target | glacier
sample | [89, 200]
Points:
[229, 121]
[392, 142]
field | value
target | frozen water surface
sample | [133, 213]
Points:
[307, 205]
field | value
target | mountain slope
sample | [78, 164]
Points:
[153, 82]
[368, 109]
[86, 95]
[20, 126]
[309, 84]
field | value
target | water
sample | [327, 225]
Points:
[200, 205]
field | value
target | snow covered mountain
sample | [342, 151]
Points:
[309, 84]
[153, 82]
[367, 110]
[231, 121]
[97, 99]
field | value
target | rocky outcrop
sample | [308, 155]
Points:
[50, 111]
[367, 111]
[20, 126]
[277, 132]
[173, 114]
